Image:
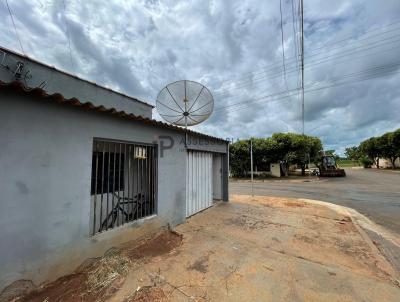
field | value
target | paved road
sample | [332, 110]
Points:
[373, 193]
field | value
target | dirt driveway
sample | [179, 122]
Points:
[268, 249]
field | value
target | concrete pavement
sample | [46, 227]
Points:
[267, 249]
[250, 249]
[376, 194]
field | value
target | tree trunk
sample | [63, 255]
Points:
[284, 168]
[393, 160]
[303, 170]
[377, 162]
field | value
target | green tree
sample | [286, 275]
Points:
[390, 146]
[353, 153]
[264, 153]
[239, 158]
[366, 162]
[287, 148]
[396, 142]
[372, 148]
[284, 150]
[297, 149]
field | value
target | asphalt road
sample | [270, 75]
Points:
[373, 193]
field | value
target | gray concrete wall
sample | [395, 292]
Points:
[275, 169]
[225, 175]
[54, 81]
[205, 144]
[45, 175]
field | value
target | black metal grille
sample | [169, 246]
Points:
[108, 182]
[123, 184]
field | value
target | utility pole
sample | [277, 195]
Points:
[302, 79]
[251, 169]
[302, 63]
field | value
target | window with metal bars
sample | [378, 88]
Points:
[108, 182]
[123, 183]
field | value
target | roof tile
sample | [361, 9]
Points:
[59, 98]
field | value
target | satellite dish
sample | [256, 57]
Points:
[185, 103]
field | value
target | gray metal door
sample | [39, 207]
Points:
[199, 195]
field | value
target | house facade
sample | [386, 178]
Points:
[84, 168]
[385, 163]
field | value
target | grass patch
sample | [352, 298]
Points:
[348, 163]
[106, 271]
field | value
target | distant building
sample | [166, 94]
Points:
[385, 163]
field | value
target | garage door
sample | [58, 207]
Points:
[199, 195]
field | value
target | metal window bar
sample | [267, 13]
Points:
[155, 179]
[141, 189]
[112, 213]
[102, 180]
[95, 191]
[132, 155]
[127, 188]
[124, 183]
[119, 183]
[148, 181]
[137, 189]
[152, 209]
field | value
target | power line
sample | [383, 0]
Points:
[325, 87]
[262, 99]
[297, 51]
[315, 55]
[352, 37]
[294, 31]
[356, 42]
[359, 73]
[388, 67]
[15, 27]
[321, 47]
[295, 38]
[392, 67]
[315, 65]
[68, 35]
[302, 64]
[283, 46]
[317, 61]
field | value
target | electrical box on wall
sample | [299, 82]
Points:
[140, 153]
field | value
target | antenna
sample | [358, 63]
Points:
[185, 103]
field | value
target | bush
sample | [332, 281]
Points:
[263, 175]
[367, 162]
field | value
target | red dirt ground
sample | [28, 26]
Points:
[73, 287]
[148, 294]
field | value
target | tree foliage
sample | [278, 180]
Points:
[370, 150]
[287, 148]
[353, 153]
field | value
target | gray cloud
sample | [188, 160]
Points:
[234, 48]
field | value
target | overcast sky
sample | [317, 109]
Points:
[352, 51]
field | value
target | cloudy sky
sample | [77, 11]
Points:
[352, 58]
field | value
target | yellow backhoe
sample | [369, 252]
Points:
[329, 168]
